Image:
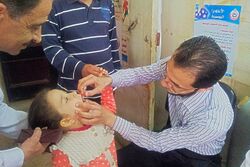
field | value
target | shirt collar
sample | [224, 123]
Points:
[72, 1]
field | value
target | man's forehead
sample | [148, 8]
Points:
[39, 14]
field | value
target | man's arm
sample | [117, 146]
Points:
[124, 78]
[29, 148]
[11, 157]
[199, 133]
[54, 51]
[139, 75]
[11, 123]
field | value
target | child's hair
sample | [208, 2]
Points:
[42, 114]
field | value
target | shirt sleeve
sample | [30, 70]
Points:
[55, 53]
[11, 158]
[114, 40]
[167, 140]
[200, 127]
[140, 75]
[11, 123]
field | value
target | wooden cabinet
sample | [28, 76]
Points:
[27, 73]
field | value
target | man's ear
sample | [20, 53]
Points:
[3, 10]
[67, 122]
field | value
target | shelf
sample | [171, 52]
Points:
[31, 83]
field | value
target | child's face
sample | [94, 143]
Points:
[63, 102]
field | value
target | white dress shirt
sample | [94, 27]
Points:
[199, 122]
[11, 123]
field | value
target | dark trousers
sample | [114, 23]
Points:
[134, 156]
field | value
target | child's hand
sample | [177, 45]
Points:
[93, 69]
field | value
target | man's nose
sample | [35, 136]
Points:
[37, 36]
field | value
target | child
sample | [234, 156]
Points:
[80, 146]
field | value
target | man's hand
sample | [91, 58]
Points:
[97, 114]
[98, 83]
[32, 145]
[94, 70]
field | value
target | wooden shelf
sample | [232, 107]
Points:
[31, 83]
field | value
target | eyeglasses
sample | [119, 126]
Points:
[175, 88]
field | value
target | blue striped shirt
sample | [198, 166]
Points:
[199, 121]
[76, 34]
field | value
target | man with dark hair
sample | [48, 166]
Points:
[200, 111]
[20, 26]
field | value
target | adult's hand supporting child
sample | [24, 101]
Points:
[96, 115]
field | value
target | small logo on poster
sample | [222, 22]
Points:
[234, 14]
[202, 13]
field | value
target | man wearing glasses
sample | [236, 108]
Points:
[200, 111]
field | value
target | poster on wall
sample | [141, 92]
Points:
[221, 22]
[121, 15]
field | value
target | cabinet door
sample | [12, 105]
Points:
[135, 33]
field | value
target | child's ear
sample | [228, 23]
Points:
[67, 122]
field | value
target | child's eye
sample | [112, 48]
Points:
[66, 99]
